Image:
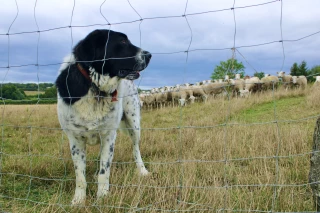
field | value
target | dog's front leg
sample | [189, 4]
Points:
[106, 156]
[78, 152]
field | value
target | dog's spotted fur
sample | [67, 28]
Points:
[86, 110]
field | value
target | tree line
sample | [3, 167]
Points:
[15, 91]
[31, 86]
[231, 67]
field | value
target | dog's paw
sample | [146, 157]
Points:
[78, 200]
[143, 171]
[103, 191]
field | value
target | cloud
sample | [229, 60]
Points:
[208, 31]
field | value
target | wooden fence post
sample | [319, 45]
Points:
[314, 175]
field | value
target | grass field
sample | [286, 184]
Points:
[241, 155]
[32, 93]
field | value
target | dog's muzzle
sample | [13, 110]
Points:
[135, 74]
[128, 74]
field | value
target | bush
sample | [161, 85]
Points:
[50, 93]
[10, 91]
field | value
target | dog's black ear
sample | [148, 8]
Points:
[90, 47]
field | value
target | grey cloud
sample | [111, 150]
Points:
[212, 30]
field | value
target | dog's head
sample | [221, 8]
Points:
[111, 53]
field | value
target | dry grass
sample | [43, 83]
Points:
[32, 93]
[223, 166]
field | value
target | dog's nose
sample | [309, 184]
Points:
[147, 55]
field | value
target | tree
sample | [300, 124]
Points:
[259, 74]
[229, 67]
[50, 93]
[10, 91]
[303, 69]
[294, 70]
[300, 69]
[314, 71]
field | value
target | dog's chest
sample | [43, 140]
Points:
[89, 113]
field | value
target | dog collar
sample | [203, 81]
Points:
[85, 74]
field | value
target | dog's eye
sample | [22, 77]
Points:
[123, 41]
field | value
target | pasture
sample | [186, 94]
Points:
[33, 93]
[249, 154]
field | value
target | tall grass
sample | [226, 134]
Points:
[234, 154]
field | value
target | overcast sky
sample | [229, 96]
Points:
[209, 30]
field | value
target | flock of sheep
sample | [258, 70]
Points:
[238, 87]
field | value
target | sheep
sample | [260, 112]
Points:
[299, 81]
[238, 85]
[252, 84]
[214, 89]
[317, 82]
[204, 82]
[286, 79]
[269, 82]
[142, 96]
[179, 94]
[168, 90]
[238, 76]
[149, 100]
[197, 91]
[161, 97]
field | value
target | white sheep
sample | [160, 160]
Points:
[269, 82]
[142, 96]
[149, 100]
[161, 97]
[198, 91]
[317, 82]
[286, 79]
[252, 84]
[179, 95]
[237, 86]
[214, 89]
[204, 82]
[299, 81]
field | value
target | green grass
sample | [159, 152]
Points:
[285, 108]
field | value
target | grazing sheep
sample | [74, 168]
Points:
[169, 90]
[149, 100]
[238, 76]
[161, 97]
[317, 82]
[214, 89]
[142, 96]
[197, 91]
[286, 79]
[269, 82]
[299, 81]
[204, 82]
[238, 85]
[252, 84]
[179, 95]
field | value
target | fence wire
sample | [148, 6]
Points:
[182, 186]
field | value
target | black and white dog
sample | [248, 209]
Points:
[96, 95]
